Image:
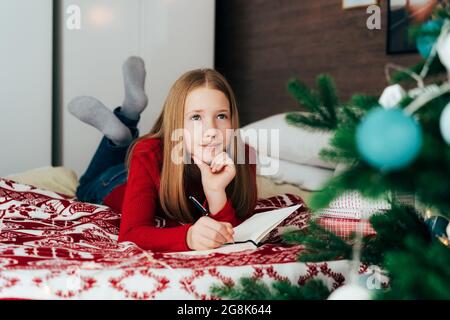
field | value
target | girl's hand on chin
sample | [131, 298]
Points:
[217, 175]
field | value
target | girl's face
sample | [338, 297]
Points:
[207, 123]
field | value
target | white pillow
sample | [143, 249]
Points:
[295, 144]
[282, 171]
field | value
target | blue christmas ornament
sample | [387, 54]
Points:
[388, 139]
[425, 43]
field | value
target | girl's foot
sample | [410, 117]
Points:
[134, 80]
[93, 112]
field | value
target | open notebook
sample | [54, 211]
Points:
[248, 234]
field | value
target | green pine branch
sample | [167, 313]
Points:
[363, 103]
[310, 121]
[320, 244]
[304, 96]
[252, 289]
[352, 112]
[392, 228]
[322, 106]
[328, 96]
[419, 270]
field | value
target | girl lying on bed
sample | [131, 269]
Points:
[149, 179]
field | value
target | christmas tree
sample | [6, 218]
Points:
[392, 145]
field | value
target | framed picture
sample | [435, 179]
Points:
[350, 4]
[401, 15]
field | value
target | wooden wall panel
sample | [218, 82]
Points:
[260, 44]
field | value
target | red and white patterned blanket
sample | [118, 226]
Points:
[53, 247]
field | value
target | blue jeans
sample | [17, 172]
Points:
[107, 168]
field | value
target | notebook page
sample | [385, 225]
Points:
[258, 225]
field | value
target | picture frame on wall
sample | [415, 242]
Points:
[401, 15]
[351, 4]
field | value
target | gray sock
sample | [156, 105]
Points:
[134, 80]
[93, 112]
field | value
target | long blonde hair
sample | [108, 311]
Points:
[242, 190]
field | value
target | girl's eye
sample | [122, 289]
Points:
[195, 117]
[222, 116]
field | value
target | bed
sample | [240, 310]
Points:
[54, 247]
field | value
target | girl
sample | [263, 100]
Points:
[149, 179]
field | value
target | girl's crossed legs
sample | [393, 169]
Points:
[107, 167]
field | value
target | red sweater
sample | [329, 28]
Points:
[143, 220]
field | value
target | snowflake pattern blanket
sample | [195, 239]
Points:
[54, 247]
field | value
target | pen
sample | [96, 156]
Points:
[199, 206]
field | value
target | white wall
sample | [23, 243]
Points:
[25, 84]
[172, 36]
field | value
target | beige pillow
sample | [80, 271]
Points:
[268, 188]
[57, 179]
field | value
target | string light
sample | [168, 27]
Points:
[427, 95]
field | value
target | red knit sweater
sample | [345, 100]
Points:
[143, 220]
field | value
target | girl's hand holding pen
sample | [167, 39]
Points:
[208, 233]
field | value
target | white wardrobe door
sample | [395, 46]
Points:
[25, 84]
[172, 36]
